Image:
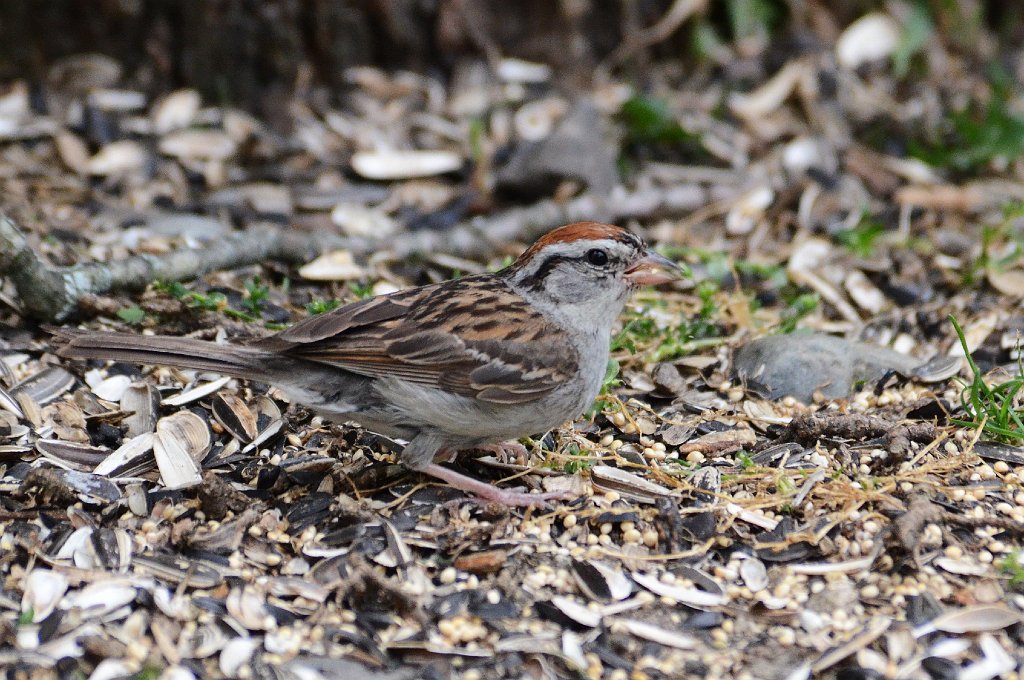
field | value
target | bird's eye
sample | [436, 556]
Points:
[597, 257]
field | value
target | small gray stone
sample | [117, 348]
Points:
[577, 149]
[800, 365]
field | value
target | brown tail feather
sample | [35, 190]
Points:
[162, 350]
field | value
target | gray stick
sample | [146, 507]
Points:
[51, 293]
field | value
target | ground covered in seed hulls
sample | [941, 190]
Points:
[166, 523]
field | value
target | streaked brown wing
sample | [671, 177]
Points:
[433, 336]
[364, 314]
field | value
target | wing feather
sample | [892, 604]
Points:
[433, 337]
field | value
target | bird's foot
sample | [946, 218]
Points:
[508, 453]
[492, 494]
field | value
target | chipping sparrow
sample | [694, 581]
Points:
[448, 366]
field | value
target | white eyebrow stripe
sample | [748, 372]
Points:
[576, 248]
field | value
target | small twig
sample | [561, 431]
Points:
[808, 429]
[908, 527]
[669, 23]
[50, 293]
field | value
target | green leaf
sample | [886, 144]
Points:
[148, 673]
[798, 308]
[648, 119]
[918, 29]
[611, 376]
[133, 315]
[750, 18]
[365, 290]
[321, 306]
[860, 240]
[173, 288]
[745, 461]
[994, 408]
[978, 134]
[256, 296]
[1013, 566]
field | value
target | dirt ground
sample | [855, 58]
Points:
[843, 501]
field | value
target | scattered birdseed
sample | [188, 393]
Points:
[780, 534]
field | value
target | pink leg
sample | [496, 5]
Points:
[487, 492]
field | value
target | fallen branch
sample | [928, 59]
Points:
[49, 293]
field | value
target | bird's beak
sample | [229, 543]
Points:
[652, 269]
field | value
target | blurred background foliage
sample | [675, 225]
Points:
[252, 52]
[236, 49]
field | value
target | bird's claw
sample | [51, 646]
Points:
[508, 453]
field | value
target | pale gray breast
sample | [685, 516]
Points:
[412, 406]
